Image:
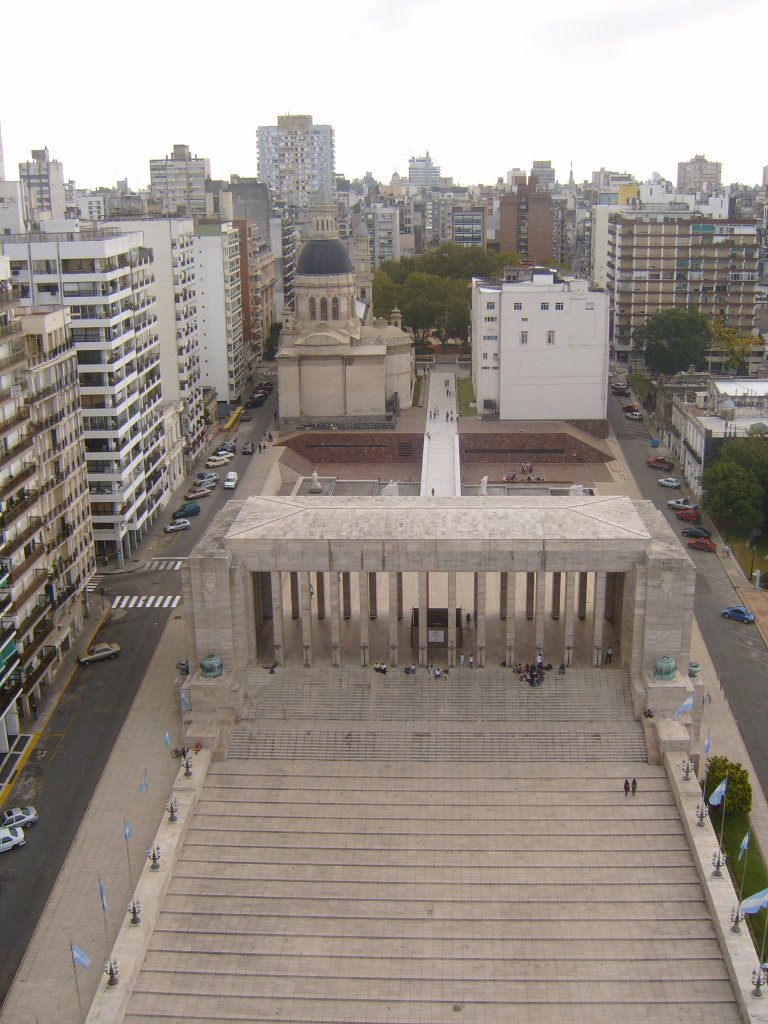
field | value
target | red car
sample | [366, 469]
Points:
[702, 544]
[658, 462]
[629, 408]
[689, 515]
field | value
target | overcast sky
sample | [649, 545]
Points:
[484, 87]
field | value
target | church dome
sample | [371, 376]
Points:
[322, 256]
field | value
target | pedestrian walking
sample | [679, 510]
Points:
[626, 787]
[433, 492]
[608, 654]
[634, 786]
[471, 661]
[469, 620]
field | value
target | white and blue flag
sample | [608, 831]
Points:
[687, 705]
[752, 904]
[79, 957]
[717, 796]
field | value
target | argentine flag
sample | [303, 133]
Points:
[687, 705]
[752, 904]
[744, 844]
[717, 796]
[79, 957]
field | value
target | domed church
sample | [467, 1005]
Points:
[335, 361]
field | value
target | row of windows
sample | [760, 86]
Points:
[324, 308]
[559, 306]
[524, 337]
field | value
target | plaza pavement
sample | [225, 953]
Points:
[44, 989]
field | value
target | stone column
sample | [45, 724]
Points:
[295, 607]
[277, 616]
[556, 580]
[345, 594]
[305, 595]
[372, 602]
[393, 619]
[530, 592]
[541, 591]
[480, 585]
[503, 595]
[597, 618]
[399, 595]
[612, 588]
[570, 595]
[362, 589]
[265, 594]
[335, 620]
[510, 603]
[583, 577]
[474, 598]
[423, 592]
[320, 594]
[451, 620]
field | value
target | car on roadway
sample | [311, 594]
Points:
[189, 508]
[197, 492]
[216, 462]
[248, 448]
[702, 544]
[633, 415]
[739, 613]
[683, 505]
[670, 481]
[177, 525]
[696, 531]
[225, 454]
[630, 408]
[10, 837]
[99, 652]
[208, 475]
[688, 515]
[19, 817]
[659, 462]
[230, 481]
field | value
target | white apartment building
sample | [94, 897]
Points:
[172, 241]
[539, 347]
[219, 310]
[383, 225]
[178, 181]
[106, 278]
[42, 183]
[296, 158]
[46, 543]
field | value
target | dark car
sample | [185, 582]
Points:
[696, 531]
[248, 448]
[659, 462]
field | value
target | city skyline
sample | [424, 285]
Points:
[574, 86]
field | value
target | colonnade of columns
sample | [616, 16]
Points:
[568, 594]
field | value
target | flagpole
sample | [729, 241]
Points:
[758, 991]
[128, 855]
[736, 916]
[182, 699]
[104, 914]
[719, 857]
[77, 986]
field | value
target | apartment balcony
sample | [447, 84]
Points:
[42, 605]
[16, 357]
[48, 656]
[19, 570]
[14, 482]
[41, 633]
[18, 508]
[10, 547]
[14, 453]
[51, 354]
[9, 663]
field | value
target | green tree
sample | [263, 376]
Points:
[273, 340]
[733, 495]
[385, 294]
[738, 791]
[750, 453]
[673, 340]
[735, 347]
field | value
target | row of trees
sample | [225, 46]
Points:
[432, 290]
[676, 339]
[736, 486]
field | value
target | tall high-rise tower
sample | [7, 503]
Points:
[296, 158]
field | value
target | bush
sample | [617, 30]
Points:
[738, 794]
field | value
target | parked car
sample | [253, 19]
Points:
[208, 476]
[630, 408]
[739, 613]
[259, 399]
[670, 481]
[688, 515]
[10, 837]
[19, 817]
[189, 508]
[659, 462]
[197, 492]
[224, 456]
[230, 481]
[99, 652]
[177, 525]
[702, 544]
[216, 462]
[683, 504]
[228, 446]
[633, 416]
[696, 531]
[248, 448]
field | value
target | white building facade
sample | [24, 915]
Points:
[296, 157]
[178, 181]
[539, 348]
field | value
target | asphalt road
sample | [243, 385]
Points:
[737, 649]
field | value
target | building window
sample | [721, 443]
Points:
[490, 305]
[490, 319]
[523, 337]
[495, 357]
[485, 357]
[334, 308]
[362, 293]
[558, 306]
[518, 305]
[323, 308]
[545, 305]
[590, 305]
[550, 337]
[313, 309]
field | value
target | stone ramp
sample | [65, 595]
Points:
[428, 892]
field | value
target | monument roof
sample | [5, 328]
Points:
[322, 256]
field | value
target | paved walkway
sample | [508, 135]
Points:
[441, 474]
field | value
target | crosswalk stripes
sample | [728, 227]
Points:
[135, 602]
[165, 564]
[94, 583]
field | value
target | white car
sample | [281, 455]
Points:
[682, 503]
[216, 462]
[670, 481]
[176, 525]
[19, 817]
[99, 652]
[10, 837]
[223, 454]
[633, 415]
[230, 481]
